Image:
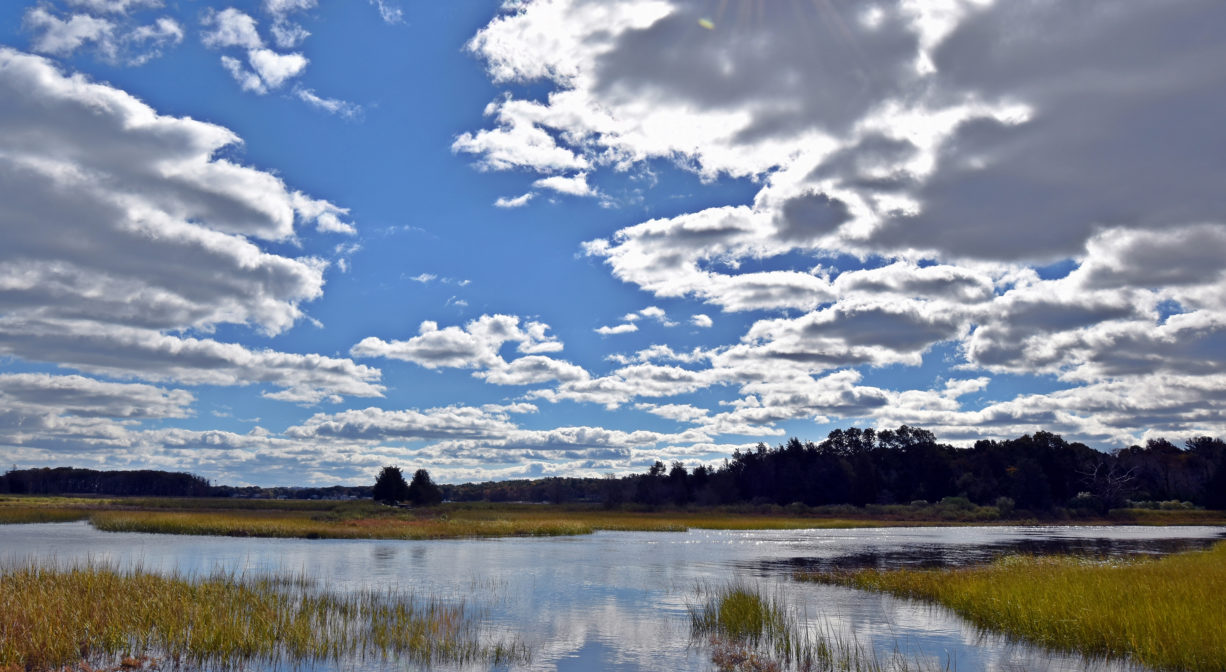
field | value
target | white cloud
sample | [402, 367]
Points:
[64, 36]
[142, 232]
[576, 185]
[42, 398]
[532, 370]
[702, 321]
[389, 11]
[628, 328]
[628, 325]
[374, 424]
[245, 78]
[275, 69]
[956, 147]
[282, 7]
[631, 382]
[105, 28]
[476, 345]
[113, 6]
[163, 31]
[288, 35]
[229, 28]
[517, 142]
[330, 105]
[656, 313]
[516, 202]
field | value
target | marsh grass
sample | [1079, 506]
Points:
[291, 524]
[369, 520]
[95, 614]
[15, 515]
[751, 630]
[1166, 613]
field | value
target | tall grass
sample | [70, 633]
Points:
[366, 519]
[53, 617]
[281, 524]
[1167, 613]
[750, 630]
[13, 515]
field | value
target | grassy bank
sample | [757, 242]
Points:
[1165, 613]
[56, 617]
[749, 630]
[368, 520]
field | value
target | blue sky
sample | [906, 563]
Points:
[292, 241]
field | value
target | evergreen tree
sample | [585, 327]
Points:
[390, 486]
[422, 491]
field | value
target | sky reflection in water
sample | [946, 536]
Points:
[617, 601]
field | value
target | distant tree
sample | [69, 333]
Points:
[678, 484]
[390, 486]
[422, 491]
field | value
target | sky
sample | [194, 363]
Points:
[288, 242]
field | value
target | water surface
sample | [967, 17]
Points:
[618, 600]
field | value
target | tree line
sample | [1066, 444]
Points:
[1036, 472]
[70, 480]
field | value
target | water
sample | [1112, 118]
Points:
[618, 600]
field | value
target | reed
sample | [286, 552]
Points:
[93, 614]
[750, 630]
[16, 515]
[288, 524]
[1165, 613]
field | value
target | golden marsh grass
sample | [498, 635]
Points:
[1166, 613]
[369, 520]
[54, 617]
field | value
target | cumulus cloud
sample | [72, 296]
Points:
[282, 7]
[478, 345]
[275, 69]
[247, 79]
[452, 422]
[628, 326]
[532, 370]
[64, 36]
[230, 28]
[517, 142]
[954, 150]
[575, 185]
[114, 6]
[103, 27]
[170, 245]
[625, 328]
[51, 396]
[266, 69]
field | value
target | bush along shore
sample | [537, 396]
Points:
[1165, 613]
[100, 616]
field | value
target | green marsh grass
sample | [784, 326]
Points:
[750, 630]
[53, 617]
[1165, 613]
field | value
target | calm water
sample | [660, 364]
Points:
[617, 600]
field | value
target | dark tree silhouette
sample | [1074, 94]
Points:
[422, 491]
[73, 481]
[390, 486]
